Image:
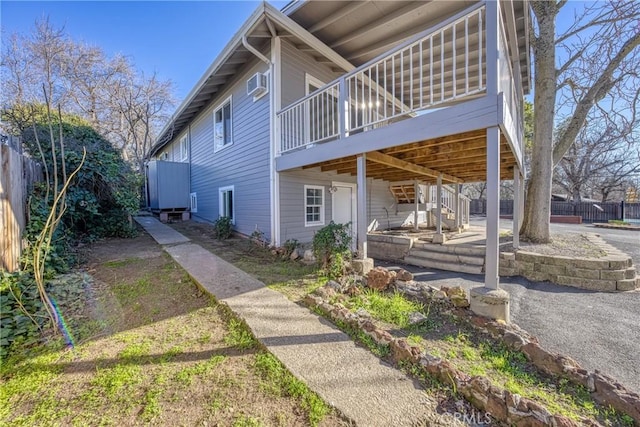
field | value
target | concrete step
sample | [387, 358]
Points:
[451, 248]
[427, 263]
[447, 257]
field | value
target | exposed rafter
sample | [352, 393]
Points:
[352, 6]
[378, 157]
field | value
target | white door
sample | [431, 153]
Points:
[343, 202]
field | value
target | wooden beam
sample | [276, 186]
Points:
[378, 157]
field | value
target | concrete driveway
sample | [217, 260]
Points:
[600, 330]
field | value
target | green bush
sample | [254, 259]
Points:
[332, 247]
[222, 228]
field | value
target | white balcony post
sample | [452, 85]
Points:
[491, 278]
[416, 209]
[362, 205]
[458, 205]
[493, 54]
[439, 205]
[343, 108]
[517, 213]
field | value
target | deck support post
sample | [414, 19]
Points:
[362, 205]
[491, 278]
[458, 205]
[428, 207]
[517, 213]
[362, 264]
[416, 208]
[439, 237]
[490, 301]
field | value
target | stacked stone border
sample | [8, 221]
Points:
[478, 390]
[612, 272]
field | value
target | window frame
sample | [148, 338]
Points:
[221, 205]
[322, 205]
[184, 149]
[221, 106]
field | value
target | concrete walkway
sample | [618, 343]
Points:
[358, 384]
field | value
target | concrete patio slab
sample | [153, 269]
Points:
[163, 234]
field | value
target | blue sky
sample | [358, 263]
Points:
[178, 39]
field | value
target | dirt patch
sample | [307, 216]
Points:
[570, 244]
[160, 352]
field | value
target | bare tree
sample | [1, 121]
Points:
[597, 67]
[601, 160]
[141, 104]
[120, 102]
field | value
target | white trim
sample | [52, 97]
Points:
[322, 206]
[274, 105]
[221, 212]
[217, 108]
[354, 209]
[184, 148]
[312, 80]
[194, 202]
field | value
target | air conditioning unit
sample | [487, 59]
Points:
[257, 84]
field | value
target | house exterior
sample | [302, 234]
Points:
[313, 113]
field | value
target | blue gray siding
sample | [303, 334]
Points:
[381, 205]
[295, 64]
[245, 164]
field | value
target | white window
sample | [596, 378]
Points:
[313, 205]
[194, 202]
[226, 202]
[184, 149]
[223, 125]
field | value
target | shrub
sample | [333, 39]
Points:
[332, 247]
[222, 228]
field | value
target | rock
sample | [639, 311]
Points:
[402, 351]
[416, 318]
[609, 392]
[353, 290]
[294, 255]
[562, 421]
[513, 340]
[454, 291]
[380, 278]
[439, 295]
[404, 275]
[361, 312]
[334, 285]
[325, 292]
[459, 301]
[308, 256]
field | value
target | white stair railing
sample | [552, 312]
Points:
[449, 202]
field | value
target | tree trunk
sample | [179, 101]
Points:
[537, 211]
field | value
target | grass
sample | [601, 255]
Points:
[394, 309]
[440, 334]
[477, 355]
[156, 342]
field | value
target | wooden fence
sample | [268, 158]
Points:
[589, 211]
[18, 173]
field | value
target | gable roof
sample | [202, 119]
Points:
[264, 22]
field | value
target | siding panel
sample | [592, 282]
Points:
[295, 64]
[244, 164]
[381, 205]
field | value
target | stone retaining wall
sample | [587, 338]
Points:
[388, 248]
[613, 272]
[478, 390]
